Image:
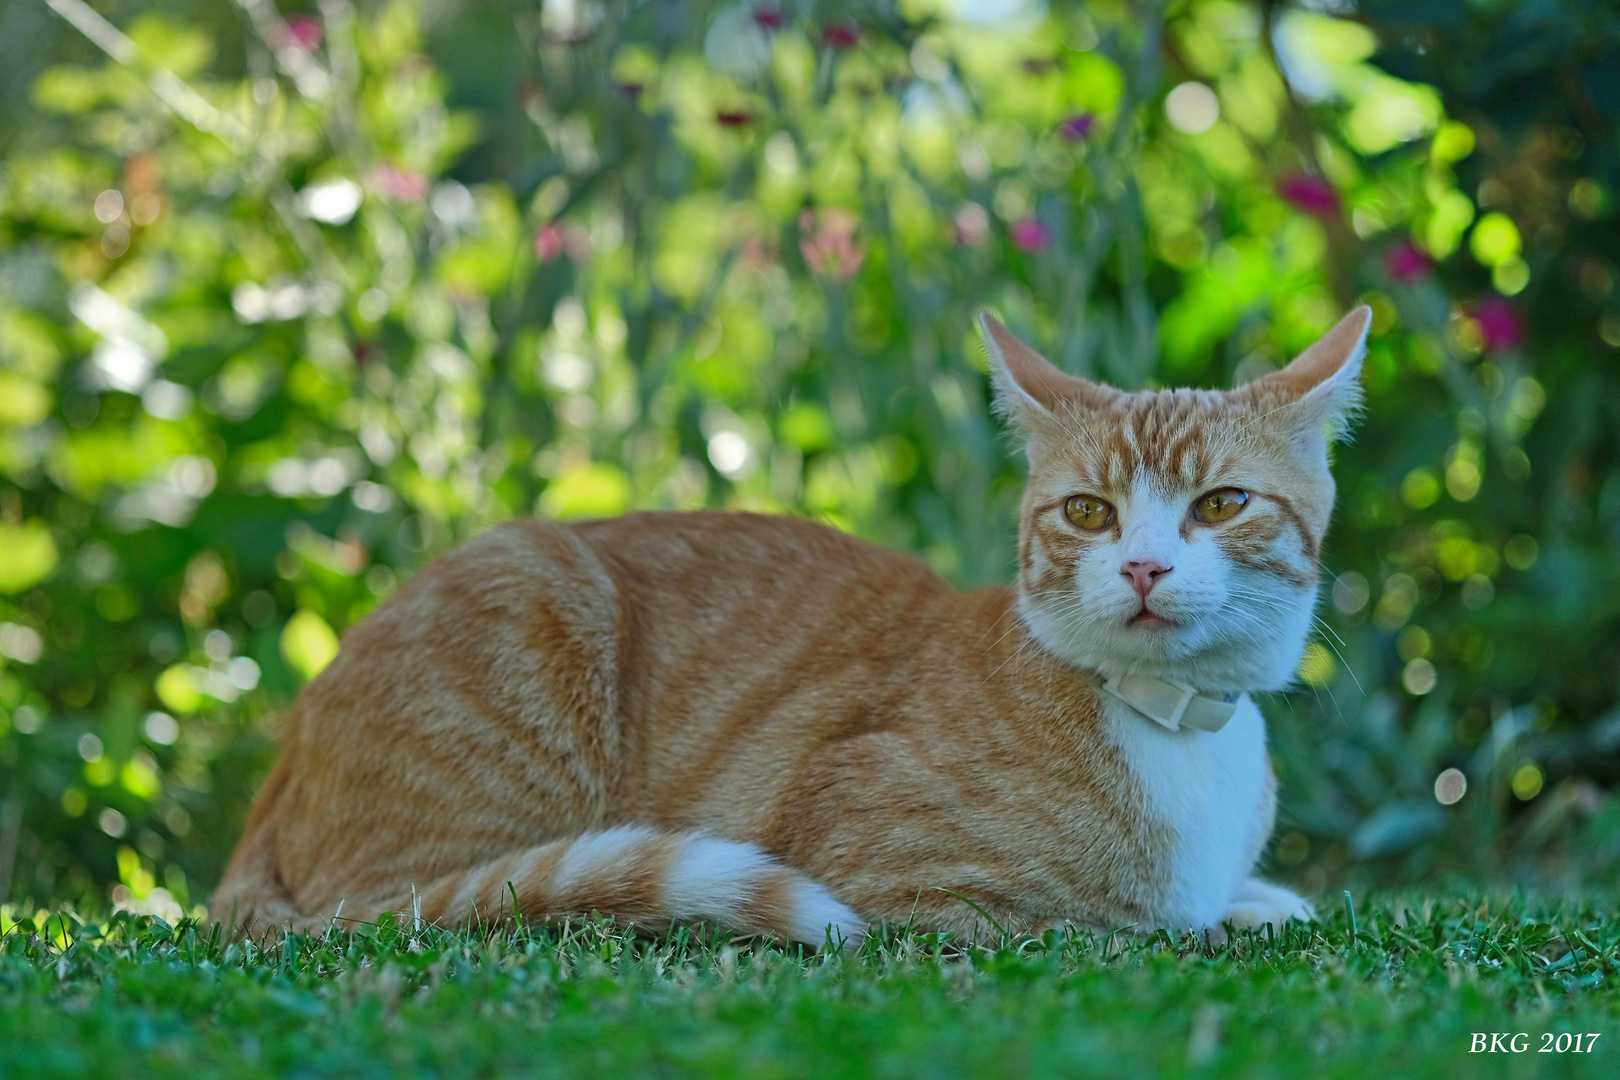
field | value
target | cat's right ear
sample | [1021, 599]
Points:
[1030, 390]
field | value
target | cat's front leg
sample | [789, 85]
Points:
[1256, 903]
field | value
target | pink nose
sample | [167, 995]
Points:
[1144, 575]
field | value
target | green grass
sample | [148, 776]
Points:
[1388, 998]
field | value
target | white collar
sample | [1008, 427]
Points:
[1171, 705]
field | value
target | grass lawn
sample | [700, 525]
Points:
[1400, 994]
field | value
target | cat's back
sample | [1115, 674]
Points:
[631, 588]
[726, 558]
[714, 601]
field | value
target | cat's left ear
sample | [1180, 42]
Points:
[1324, 381]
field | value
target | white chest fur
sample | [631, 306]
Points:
[1206, 788]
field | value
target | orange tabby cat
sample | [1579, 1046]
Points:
[766, 723]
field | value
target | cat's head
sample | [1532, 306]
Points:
[1175, 533]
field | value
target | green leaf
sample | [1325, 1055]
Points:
[308, 644]
[27, 555]
[595, 489]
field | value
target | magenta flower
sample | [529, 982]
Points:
[1500, 324]
[844, 34]
[1406, 262]
[302, 32]
[769, 18]
[732, 118]
[1029, 234]
[1077, 127]
[548, 242]
[1311, 194]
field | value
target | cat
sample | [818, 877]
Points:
[765, 723]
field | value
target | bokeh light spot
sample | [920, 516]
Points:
[1192, 108]
[1527, 781]
[1419, 677]
[1450, 786]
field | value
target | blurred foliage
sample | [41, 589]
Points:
[290, 302]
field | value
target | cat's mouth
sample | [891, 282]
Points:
[1148, 620]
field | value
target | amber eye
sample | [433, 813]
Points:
[1222, 505]
[1088, 512]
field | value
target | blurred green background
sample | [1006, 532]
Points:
[294, 297]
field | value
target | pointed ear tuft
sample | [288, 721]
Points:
[1030, 390]
[1325, 379]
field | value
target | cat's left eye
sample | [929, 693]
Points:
[1222, 505]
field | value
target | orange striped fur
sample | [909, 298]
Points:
[765, 723]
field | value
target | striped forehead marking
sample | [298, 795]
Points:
[1172, 438]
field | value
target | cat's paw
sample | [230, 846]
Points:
[1256, 904]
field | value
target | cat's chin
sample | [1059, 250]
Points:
[1164, 648]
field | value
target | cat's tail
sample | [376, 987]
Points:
[643, 875]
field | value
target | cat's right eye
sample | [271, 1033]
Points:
[1222, 505]
[1088, 512]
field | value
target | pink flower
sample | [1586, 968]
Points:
[401, 184]
[844, 34]
[827, 241]
[302, 32]
[1311, 194]
[1029, 234]
[769, 18]
[1500, 324]
[755, 253]
[1077, 127]
[970, 225]
[548, 242]
[1406, 262]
